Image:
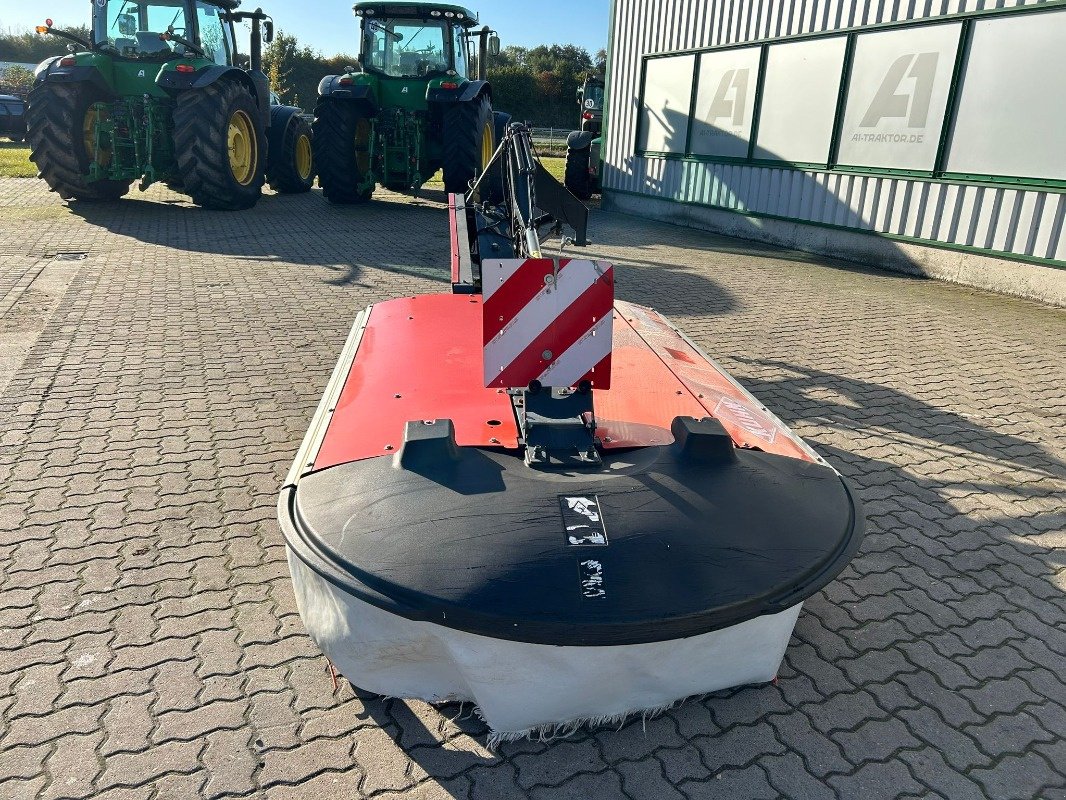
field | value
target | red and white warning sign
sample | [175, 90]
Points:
[547, 320]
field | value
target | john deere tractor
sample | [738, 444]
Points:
[156, 94]
[411, 106]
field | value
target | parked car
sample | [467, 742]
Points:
[12, 117]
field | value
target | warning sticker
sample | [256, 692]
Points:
[582, 520]
[739, 414]
[592, 579]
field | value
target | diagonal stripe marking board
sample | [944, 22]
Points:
[546, 320]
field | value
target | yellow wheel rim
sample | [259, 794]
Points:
[362, 145]
[303, 156]
[94, 114]
[243, 148]
[487, 146]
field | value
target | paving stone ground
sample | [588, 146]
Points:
[149, 642]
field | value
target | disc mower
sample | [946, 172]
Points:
[156, 94]
[532, 496]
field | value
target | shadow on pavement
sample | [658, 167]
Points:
[290, 229]
[306, 230]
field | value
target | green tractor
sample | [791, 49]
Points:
[156, 95]
[584, 148]
[411, 106]
[590, 101]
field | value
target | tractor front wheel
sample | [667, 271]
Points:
[218, 141]
[469, 142]
[343, 148]
[290, 162]
[61, 121]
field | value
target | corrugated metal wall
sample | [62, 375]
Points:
[999, 219]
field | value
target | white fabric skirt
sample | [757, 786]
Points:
[522, 689]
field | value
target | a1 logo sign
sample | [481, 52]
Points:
[731, 97]
[912, 103]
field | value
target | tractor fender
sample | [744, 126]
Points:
[579, 140]
[206, 77]
[500, 121]
[175, 82]
[40, 72]
[180, 81]
[54, 73]
[330, 86]
[471, 90]
[279, 121]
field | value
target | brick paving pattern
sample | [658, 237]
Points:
[149, 642]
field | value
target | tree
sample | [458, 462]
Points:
[539, 84]
[295, 71]
[279, 53]
[16, 80]
[568, 61]
[32, 48]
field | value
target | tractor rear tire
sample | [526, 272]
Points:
[218, 141]
[56, 117]
[342, 140]
[576, 177]
[290, 163]
[469, 142]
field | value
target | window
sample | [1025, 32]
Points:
[405, 48]
[667, 96]
[725, 102]
[897, 97]
[593, 97]
[971, 98]
[799, 100]
[133, 29]
[1011, 109]
[459, 47]
[214, 33]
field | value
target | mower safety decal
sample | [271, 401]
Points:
[736, 412]
[591, 572]
[583, 520]
[548, 321]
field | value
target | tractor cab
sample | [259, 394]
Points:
[423, 40]
[158, 30]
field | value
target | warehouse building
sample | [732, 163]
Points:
[928, 136]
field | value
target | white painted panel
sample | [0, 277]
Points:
[1012, 110]
[982, 220]
[941, 228]
[1057, 243]
[897, 97]
[934, 203]
[1041, 241]
[1002, 234]
[799, 99]
[1028, 220]
[918, 195]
